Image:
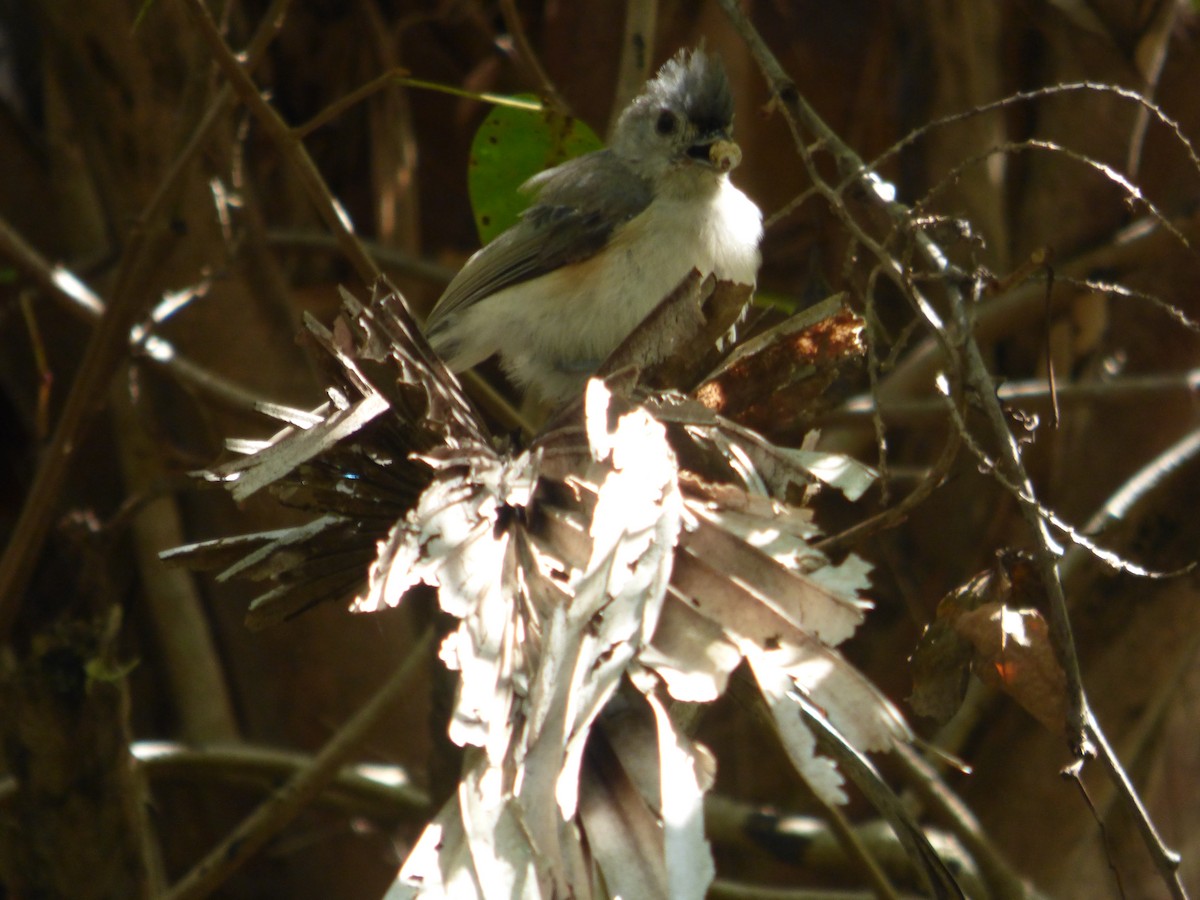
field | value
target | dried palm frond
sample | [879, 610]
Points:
[632, 556]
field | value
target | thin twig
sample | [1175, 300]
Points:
[895, 515]
[1132, 192]
[1049, 516]
[339, 106]
[873, 342]
[1128, 293]
[479, 96]
[41, 416]
[1150, 57]
[1074, 773]
[273, 815]
[512, 21]
[1022, 306]
[1054, 90]
[1166, 860]
[1130, 500]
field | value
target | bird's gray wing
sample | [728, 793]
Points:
[579, 204]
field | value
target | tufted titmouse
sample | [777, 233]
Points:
[608, 237]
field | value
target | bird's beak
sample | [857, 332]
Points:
[716, 151]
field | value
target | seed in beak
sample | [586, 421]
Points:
[724, 155]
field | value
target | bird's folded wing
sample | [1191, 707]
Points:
[579, 205]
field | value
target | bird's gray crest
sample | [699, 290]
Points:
[695, 83]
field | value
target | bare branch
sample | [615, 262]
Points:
[512, 21]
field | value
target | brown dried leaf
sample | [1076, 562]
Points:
[941, 669]
[775, 382]
[1013, 652]
[990, 626]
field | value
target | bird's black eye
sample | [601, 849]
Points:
[667, 123]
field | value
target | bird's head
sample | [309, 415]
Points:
[682, 119]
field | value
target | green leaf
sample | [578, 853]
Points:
[510, 147]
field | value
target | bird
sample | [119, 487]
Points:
[607, 237]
